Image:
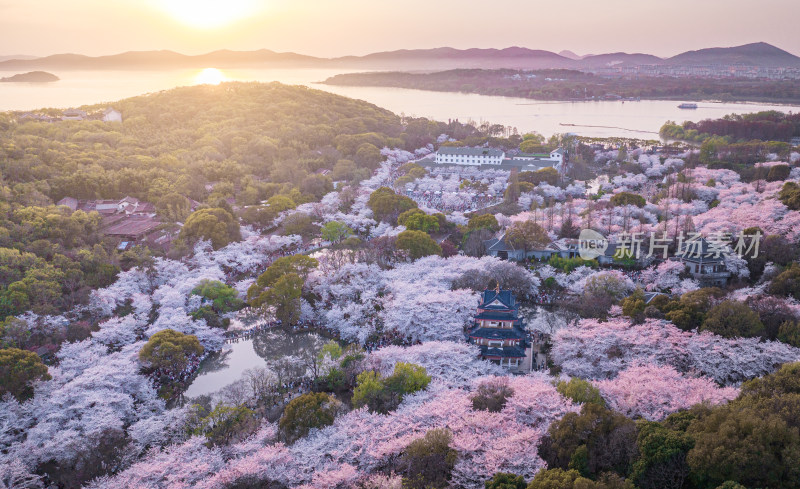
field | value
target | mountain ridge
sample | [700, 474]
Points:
[439, 58]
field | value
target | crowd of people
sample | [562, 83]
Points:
[168, 376]
[286, 391]
[539, 359]
[544, 298]
[388, 338]
[455, 202]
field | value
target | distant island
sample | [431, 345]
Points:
[572, 85]
[31, 77]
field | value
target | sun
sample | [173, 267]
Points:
[209, 76]
[209, 14]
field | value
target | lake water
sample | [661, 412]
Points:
[227, 366]
[595, 119]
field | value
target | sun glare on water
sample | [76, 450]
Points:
[207, 14]
[209, 76]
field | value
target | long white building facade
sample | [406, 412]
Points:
[449, 155]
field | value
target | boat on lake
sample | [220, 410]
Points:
[687, 106]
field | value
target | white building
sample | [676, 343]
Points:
[448, 155]
[73, 115]
[112, 115]
[556, 156]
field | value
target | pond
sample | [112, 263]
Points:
[260, 350]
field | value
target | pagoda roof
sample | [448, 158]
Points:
[506, 352]
[701, 251]
[499, 315]
[497, 333]
[497, 299]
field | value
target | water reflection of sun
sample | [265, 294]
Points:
[209, 76]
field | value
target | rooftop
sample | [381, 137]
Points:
[461, 151]
[497, 299]
[497, 316]
[701, 251]
[507, 352]
[497, 334]
[132, 226]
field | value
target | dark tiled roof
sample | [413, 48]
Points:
[700, 251]
[507, 352]
[502, 316]
[504, 296]
[132, 226]
[497, 333]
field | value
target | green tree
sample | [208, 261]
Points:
[299, 265]
[778, 173]
[226, 424]
[169, 350]
[429, 461]
[417, 244]
[406, 379]
[173, 207]
[785, 381]
[215, 224]
[483, 221]
[627, 198]
[742, 443]
[491, 395]
[547, 175]
[281, 286]
[789, 332]
[593, 441]
[690, 310]
[634, 305]
[224, 298]
[580, 391]
[316, 185]
[662, 457]
[306, 412]
[369, 391]
[504, 480]
[280, 203]
[733, 319]
[790, 195]
[387, 205]
[14, 333]
[418, 220]
[344, 170]
[299, 224]
[368, 155]
[335, 231]
[385, 394]
[787, 283]
[284, 297]
[561, 479]
[18, 370]
[526, 235]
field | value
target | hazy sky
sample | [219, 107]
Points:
[341, 27]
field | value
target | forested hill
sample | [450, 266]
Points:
[577, 85]
[182, 139]
[236, 143]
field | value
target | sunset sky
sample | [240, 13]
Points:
[342, 27]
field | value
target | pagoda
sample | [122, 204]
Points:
[498, 330]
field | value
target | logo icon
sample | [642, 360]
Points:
[591, 244]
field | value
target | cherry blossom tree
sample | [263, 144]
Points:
[654, 391]
[600, 350]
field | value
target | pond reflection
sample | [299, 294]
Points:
[265, 349]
